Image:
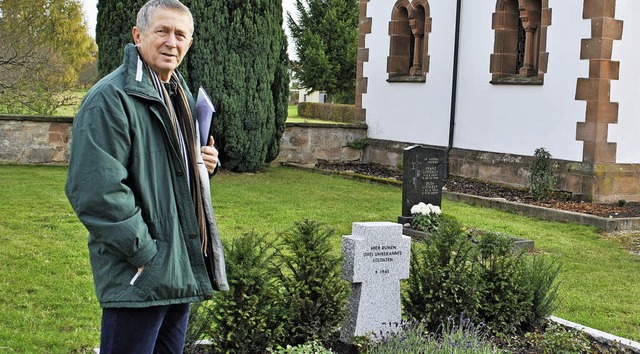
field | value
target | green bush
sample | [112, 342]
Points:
[443, 282]
[540, 274]
[285, 294]
[343, 113]
[542, 178]
[199, 326]
[481, 276]
[311, 286]
[245, 319]
[506, 300]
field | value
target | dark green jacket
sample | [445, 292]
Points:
[128, 186]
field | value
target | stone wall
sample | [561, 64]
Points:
[45, 140]
[602, 183]
[33, 139]
[306, 143]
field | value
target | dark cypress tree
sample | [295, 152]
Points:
[113, 31]
[239, 56]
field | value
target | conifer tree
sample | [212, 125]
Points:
[113, 31]
[326, 43]
[239, 56]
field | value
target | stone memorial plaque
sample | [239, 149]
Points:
[422, 178]
[375, 259]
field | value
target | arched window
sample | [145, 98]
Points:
[519, 55]
[409, 30]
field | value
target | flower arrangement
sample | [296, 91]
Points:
[426, 217]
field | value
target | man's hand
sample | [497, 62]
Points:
[210, 156]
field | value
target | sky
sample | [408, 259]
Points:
[91, 13]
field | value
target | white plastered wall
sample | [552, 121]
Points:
[498, 118]
[626, 90]
[410, 112]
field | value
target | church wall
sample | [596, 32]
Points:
[626, 90]
[412, 112]
[517, 119]
[498, 118]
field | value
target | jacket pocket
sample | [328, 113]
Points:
[147, 280]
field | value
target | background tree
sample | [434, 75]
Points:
[88, 75]
[239, 56]
[113, 31]
[43, 45]
[326, 43]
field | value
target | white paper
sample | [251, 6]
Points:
[204, 111]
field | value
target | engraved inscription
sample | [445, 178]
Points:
[382, 254]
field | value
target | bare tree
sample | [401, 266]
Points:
[43, 45]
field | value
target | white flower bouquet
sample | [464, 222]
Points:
[426, 217]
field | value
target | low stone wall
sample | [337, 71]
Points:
[306, 143]
[602, 183]
[45, 140]
[34, 139]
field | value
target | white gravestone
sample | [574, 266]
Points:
[375, 259]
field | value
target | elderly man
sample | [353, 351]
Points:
[139, 181]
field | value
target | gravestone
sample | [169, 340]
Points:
[423, 174]
[375, 259]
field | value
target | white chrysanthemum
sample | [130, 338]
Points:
[420, 208]
[434, 209]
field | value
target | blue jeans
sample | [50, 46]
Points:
[148, 330]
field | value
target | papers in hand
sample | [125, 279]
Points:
[204, 111]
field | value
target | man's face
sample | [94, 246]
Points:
[165, 42]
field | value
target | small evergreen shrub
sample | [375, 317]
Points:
[245, 319]
[480, 276]
[542, 178]
[540, 274]
[443, 281]
[285, 294]
[311, 287]
[199, 326]
[505, 300]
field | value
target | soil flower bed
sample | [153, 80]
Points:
[561, 201]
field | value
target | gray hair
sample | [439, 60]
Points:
[145, 15]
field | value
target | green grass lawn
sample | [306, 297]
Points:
[47, 304]
[292, 112]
